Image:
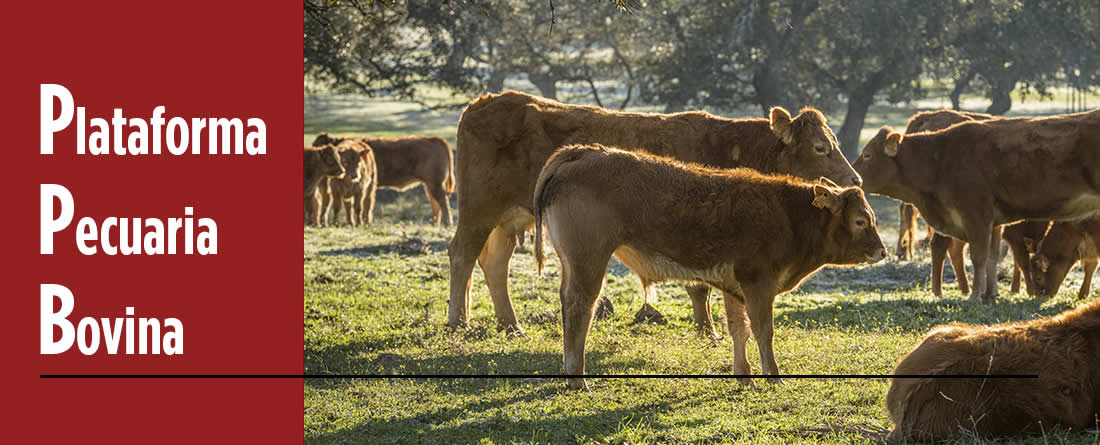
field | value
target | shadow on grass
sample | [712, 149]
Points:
[362, 359]
[495, 419]
[916, 315]
[410, 246]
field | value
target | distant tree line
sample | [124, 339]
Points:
[839, 55]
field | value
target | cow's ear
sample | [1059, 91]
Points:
[1043, 263]
[828, 182]
[827, 198]
[893, 141]
[781, 124]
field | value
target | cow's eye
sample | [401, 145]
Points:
[821, 149]
[867, 156]
[861, 223]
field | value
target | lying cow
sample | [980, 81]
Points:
[1063, 350]
[920, 122]
[406, 162]
[752, 236]
[1065, 244]
[504, 141]
[320, 162]
[354, 192]
[973, 177]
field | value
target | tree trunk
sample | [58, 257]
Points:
[675, 105]
[496, 80]
[769, 89]
[1000, 92]
[858, 104]
[546, 83]
[960, 87]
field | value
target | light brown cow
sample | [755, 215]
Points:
[926, 121]
[1066, 243]
[973, 177]
[1063, 350]
[320, 162]
[403, 163]
[753, 236]
[354, 192]
[504, 140]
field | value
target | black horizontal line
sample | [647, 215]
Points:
[535, 376]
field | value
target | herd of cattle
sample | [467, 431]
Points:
[752, 207]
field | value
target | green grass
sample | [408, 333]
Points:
[376, 303]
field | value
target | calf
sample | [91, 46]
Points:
[320, 162]
[750, 235]
[403, 163]
[1022, 239]
[973, 177]
[354, 192]
[1019, 237]
[505, 139]
[1065, 244]
[1063, 350]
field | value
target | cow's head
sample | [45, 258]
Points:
[810, 147]
[330, 162]
[323, 139]
[350, 157]
[852, 231]
[877, 163]
[1049, 267]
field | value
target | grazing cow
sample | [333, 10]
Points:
[504, 141]
[1066, 243]
[973, 177]
[404, 163]
[354, 192]
[907, 241]
[1022, 238]
[752, 236]
[1063, 350]
[320, 162]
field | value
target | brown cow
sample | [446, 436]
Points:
[403, 163]
[1065, 244]
[1063, 350]
[354, 192]
[320, 162]
[929, 121]
[973, 177]
[1022, 238]
[1016, 235]
[504, 140]
[750, 235]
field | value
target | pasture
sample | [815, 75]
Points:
[376, 302]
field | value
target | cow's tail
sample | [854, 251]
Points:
[449, 181]
[545, 189]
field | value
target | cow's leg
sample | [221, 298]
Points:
[359, 209]
[955, 249]
[582, 282]
[368, 203]
[992, 289]
[494, 263]
[463, 251]
[939, 245]
[758, 302]
[311, 204]
[980, 244]
[906, 231]
[700, 306]
[441, 207]
[435, 205]
[325, 203]
[1015, 286]
[738, 322]
[350, 211]
[1086, 286]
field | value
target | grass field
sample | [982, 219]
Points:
[376, 303]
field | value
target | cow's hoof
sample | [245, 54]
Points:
[649, 314]
[579, 384]
[512, 330]
[604, 308]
